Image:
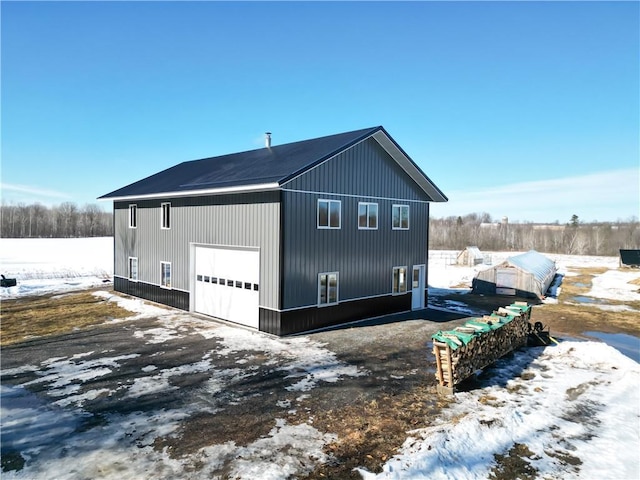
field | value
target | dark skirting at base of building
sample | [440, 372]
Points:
[304, 319]
[173, 298]
[281, 323]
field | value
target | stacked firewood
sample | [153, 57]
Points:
[480, 342]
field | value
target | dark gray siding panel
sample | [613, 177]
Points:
[305, 319]
[173, 298]
[313, 318]
[365, 169]
[249, 220]
[363, 258]
[269, 321]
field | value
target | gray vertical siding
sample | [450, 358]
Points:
[363, 258]
[251, 220]
[364, 169]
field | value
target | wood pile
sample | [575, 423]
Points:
[480, 342]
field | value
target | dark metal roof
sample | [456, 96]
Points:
[260, 169]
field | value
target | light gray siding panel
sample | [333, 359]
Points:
[365, 169]
[364, 258]
[249, 220]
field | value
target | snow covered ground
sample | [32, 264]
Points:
[576, 406]
[47, 265]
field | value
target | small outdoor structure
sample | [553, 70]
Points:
[525, 275]
[470, 257]
[630, 258]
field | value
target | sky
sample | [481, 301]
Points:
[528, 110]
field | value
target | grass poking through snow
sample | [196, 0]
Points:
[572, 319]
[31, 317]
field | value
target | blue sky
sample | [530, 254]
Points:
[524, 109]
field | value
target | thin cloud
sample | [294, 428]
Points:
[31, 190]
[605, 196]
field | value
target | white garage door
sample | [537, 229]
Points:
[227, 284]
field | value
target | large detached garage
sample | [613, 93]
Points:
[525, 275]
[284, 238]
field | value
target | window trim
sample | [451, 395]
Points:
[329, 201]
[400, 227]
[133, 219]
[393, 285]
[162, 216]
[368, 204]
[327, 303]
[162, 285]
[129, 269]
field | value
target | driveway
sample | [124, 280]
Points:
[172, 395]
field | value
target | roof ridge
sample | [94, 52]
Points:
[280, 146]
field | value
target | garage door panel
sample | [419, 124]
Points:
[226, 284]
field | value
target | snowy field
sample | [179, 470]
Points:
[49, 265]
[575, 406]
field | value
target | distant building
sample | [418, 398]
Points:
[470, 256]
[525, 275]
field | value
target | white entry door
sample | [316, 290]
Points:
[506, 279]
[417, 287]
[227, 284]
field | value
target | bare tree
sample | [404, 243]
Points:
[574, 237]
[65, 220]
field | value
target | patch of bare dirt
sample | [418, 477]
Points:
[514, 465]
[371, 432]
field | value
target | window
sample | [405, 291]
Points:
[367, 216]
[165, 281]
[416, 277]
[166, 215]
[327, 288]
[329, 213]
[133, 216]
[399, 280]
[133, 269]
[400, 217]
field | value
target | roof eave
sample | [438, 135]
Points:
[259, 187]
[408, 165]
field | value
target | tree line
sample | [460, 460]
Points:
[62, 221]
[451, 233]
[574, 237]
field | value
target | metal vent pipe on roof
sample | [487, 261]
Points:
[267, 139]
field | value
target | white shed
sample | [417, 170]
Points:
[470, 256]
